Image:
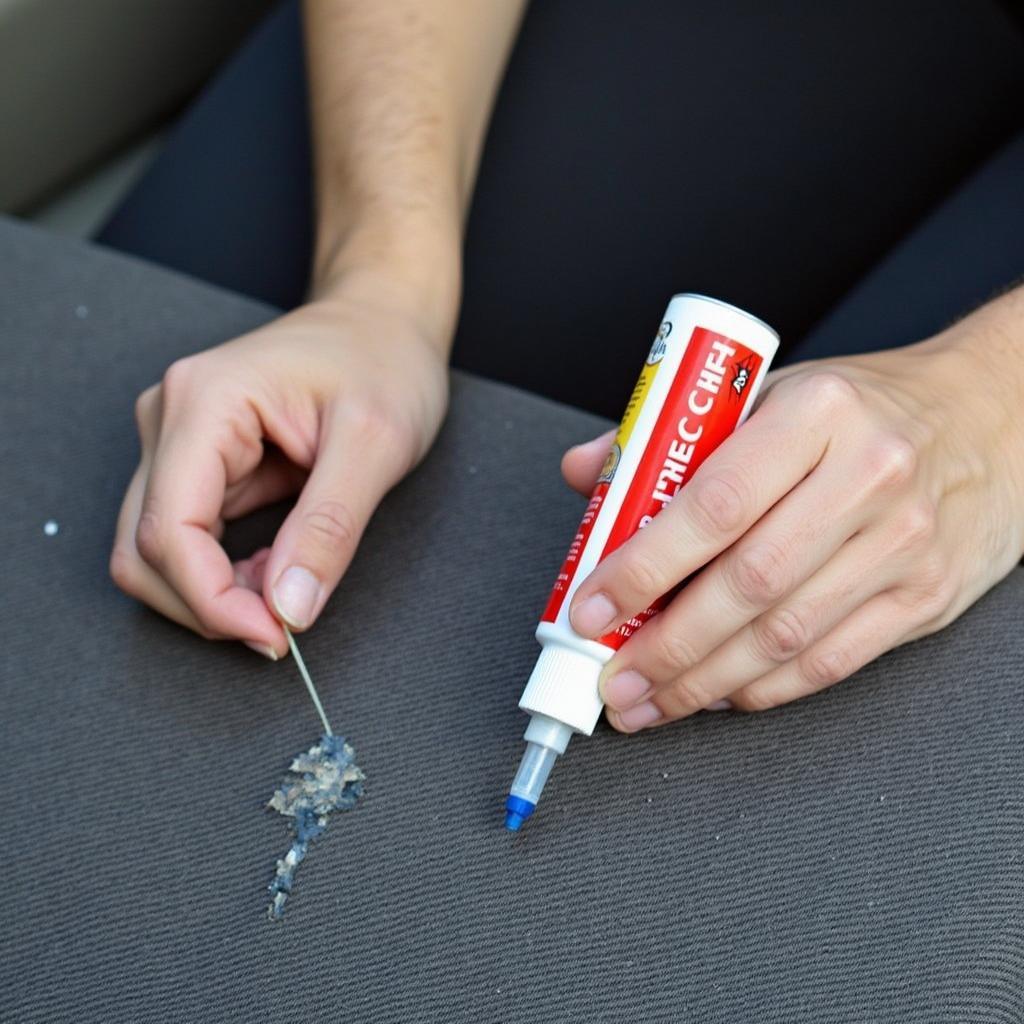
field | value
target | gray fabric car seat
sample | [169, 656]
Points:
[853, 857]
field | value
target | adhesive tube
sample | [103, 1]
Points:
[698, 384]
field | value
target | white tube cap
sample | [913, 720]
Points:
[563, 686]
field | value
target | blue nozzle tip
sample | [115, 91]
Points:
[517, 810]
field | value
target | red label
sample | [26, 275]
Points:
[704, 403]
[579, 542]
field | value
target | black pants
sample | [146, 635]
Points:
[851, 172]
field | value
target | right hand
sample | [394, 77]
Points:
[348, 390]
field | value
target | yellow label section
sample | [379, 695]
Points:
[629, 418]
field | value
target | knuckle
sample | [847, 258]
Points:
[932, 607]
[203, 624]
[144, 405]
[781, 634]
[892, 461]
[687, 696]
[916, 525]
[828, 666]
[123, 569]
[752, 698]
[149, 539]
[944, 599]
[331, 525]
[947, 611]
[759, 574]
[178, 376]
[207, 621]
[643, 575]
[377, 424]
[673, 651]
[935, 588]
[721, 501]
[236, 439]
[828, 393]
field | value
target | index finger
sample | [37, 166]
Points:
[744, 477]
[180, 512]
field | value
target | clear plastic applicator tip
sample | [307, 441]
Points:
[546, 738]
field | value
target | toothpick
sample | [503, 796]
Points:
[304, 672]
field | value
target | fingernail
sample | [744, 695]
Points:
[594, 615]
[267, 652]
[720, 705]
[295, 596]
[640, 717]
[625, 689]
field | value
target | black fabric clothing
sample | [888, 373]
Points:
[966, 251]
[854, 857]
[229, 198]
[769, 155]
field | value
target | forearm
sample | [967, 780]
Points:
[400, 96]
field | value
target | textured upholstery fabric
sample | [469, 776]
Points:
[855, 857]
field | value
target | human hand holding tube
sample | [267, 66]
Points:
[867, 502]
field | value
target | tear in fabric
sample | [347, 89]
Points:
[324, 779]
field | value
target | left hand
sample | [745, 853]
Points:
[868, 501]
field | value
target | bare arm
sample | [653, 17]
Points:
[401, 92]
[341, 397]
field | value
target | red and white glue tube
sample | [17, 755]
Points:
[698, 384]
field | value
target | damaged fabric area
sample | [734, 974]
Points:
[324, 779]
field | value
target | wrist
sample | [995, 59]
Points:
[414, 266]
[979, 366]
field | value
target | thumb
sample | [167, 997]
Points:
[581, 464]
[316, 542]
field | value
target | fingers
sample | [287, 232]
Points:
[857, 573]
[195, 459]
[355, 466]
[275, 478]
[747, 474]
[893, 559]
[790, 544]
[582, 464]
[249, 572]
[130, 572]
[871, 630]
[145, 579]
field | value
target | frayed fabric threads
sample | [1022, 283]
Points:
[326, 779]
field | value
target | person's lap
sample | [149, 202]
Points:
[640, 151]
[965, 252]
